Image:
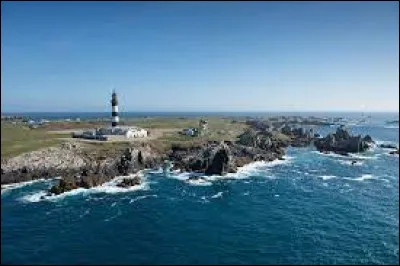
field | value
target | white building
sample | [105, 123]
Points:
[128, 132]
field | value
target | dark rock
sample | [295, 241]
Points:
[368, 139]
[129, 182]
[219, 163]
[24, 170]
[343, 142]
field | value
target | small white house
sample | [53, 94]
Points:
[136, 133]
[189, 132]
[128, 132]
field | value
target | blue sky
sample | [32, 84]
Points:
[200, 56]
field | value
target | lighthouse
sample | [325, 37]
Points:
[114, 103]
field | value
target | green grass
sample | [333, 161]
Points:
[17, 139]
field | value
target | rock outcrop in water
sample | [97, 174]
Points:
[210, 158]
[219, 158]
[342, 142]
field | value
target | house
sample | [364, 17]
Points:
[189, 132]
[128, 132]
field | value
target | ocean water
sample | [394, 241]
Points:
[375, 117]
[311, 208]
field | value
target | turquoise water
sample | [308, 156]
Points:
[311, 208]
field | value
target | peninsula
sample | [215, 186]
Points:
[207, 145]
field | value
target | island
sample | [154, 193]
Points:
[207, 145]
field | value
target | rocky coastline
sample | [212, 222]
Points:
[257, 143]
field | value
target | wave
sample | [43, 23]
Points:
[199, 182]
[361, 178]
[218, 195]
[327, 177]
[141, 197]
[108, 187]
[391, 127]
[12, 186]
[377, 143]
[351, 156]
[251, 169]
[243, 172]
[347, 162]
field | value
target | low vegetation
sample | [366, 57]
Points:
[18, 138]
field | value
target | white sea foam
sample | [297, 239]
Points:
[380, 142]
[13, 186]
[155, 171]
[141, 197]
[362, 157]
[108, 187]
[181, 176]
[347, 162]
[351, 156]
[218, 195]
[327, 177]
[251, 169]
[199, 182]
[34, 197]
[393, 126]
[330, 154]
[244, 172]
[361, 178]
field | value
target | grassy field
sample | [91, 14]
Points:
[17, 139]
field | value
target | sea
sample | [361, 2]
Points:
[311, 208]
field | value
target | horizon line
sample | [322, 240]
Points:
[247, 111]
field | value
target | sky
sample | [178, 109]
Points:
[199, 56]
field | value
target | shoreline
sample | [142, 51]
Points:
[79, 165]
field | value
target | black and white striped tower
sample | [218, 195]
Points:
[114, 103]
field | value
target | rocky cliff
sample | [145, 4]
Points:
[342, 142]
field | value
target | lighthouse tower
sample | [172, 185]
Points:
[114, 103]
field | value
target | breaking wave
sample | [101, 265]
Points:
[348, 162]
[327, 177]
[361, 178]
[108, 187]
[141, 197]
[245, 172]
[392, 127]
[8, 187]
[218, 195]
[349, 157]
